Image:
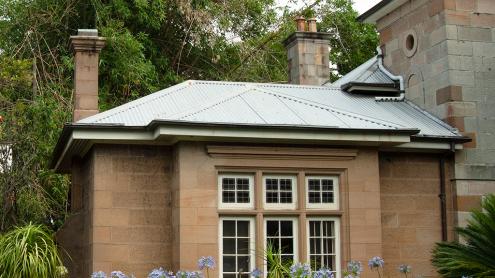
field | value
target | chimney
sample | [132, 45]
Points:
[307, 52]
[87, 46]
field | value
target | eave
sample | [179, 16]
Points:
[77, 139]
[381, 9]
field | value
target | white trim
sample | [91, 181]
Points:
[280, 206]
[222, 205]
[252, 242]
[336, 220]
[295, 230]
[336, 193]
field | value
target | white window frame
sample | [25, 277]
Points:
[336, 193]
[280, 206]
[336, 220]
[252, 242]
[222, 205]
[295, 229]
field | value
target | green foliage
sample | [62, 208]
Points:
[476, 256]
[277, 268]
[29, 251]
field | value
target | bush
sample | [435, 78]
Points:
[29, 251]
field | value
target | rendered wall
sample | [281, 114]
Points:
[451, 74]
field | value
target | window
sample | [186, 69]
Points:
[322, 192]
[279, 192]
[235, 191]
[281, 235]
[324, 243]
[236, 247]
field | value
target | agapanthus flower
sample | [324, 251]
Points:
[256, 273]
[99, 274]
[188, 274]
[159, 273]
[323, 273]
[404, 268]
[355, 268]
[349, 276]
[376, 262]
[117, 274]
[206, 262]
[300, 270]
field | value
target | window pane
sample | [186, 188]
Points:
[286, 184]
[274, 243]
[228, 197]
[272, 228]
[242, 184]
[328, 246]
[315, 261]
[314, 185]
[315, 245]
[287, 259]
[242, 264]
[242, 246]
[327, 197]
[314, 197]
[243, 196]
[271, 197]
[271, 184]
[242, 228]
[286, 197]
[229, 263]
[314, 228]
[287, 245]
[328, 228]
[228, 228]
[228, 183]
[229, 275]
[229, 246]
[286, 228]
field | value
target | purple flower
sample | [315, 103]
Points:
[376, 262]
[256, 273]
[117, 274]
[159, 273]
[300, 270]
[187, 274]
[323, 273]
[404, 268]
[355, 268]
[206, 262]
[99, 274]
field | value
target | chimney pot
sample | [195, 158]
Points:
[301, 24]
[312, 24]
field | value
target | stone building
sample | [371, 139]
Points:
[325, 172]
[445, 50]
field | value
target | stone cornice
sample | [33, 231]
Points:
[87, 43]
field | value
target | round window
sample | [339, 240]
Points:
[410, 43]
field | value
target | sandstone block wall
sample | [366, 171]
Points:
[411, 223]
[452, 75]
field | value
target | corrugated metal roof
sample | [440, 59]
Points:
[368, 72]
[271, 104]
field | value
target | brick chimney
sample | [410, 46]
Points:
[307, 52]
[87, 46]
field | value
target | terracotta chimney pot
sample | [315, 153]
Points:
[312, 24]
[301, 24]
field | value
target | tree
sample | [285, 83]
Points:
[476, 256]
[150, 45]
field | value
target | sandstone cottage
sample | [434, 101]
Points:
[385, 161]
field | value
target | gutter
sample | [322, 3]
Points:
[373, 10]
[66, 137]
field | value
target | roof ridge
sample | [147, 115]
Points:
[336, 110]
